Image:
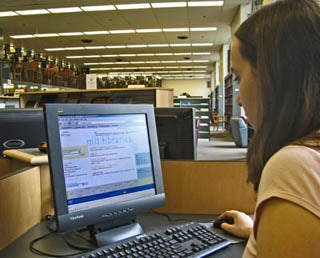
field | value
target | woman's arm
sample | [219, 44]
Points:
[285, 229]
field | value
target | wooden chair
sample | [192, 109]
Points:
[217, 121]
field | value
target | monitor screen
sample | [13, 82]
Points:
[105, 166]
[176, 130]
[21, 128]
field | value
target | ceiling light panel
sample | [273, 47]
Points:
[148, 30]
[98, 8]
[32, 12]
[46, 35]
[100, 32]
[175, 29]
[8, 14]
[70, 34]
[28, 36]
[205, 3]
[121, 31]
[169, 4]
[132, 6]
[65, 10]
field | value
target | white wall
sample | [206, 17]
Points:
[193, 87]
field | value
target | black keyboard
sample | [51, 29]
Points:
[187, 240]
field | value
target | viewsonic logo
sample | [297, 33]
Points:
[77, 217]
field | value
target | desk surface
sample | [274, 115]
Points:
[149, 222]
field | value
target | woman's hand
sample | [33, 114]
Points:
[242, 226]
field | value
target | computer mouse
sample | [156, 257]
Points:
[217, 223]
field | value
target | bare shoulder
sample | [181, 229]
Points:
[285, 229]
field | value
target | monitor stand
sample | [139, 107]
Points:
[104, 233]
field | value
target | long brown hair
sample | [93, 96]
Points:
[282, 42]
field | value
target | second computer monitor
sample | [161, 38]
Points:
[176, 129]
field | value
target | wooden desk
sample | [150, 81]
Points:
[149, 222]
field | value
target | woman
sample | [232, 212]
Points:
[275, 57]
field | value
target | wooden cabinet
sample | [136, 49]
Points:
[202, 110]
[230, 98]
[157, 96]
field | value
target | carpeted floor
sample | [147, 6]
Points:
[220, 147]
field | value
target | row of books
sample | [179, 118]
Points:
[78, 98]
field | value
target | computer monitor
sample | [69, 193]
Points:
[176, 130]
[21, 128]
[105, 167]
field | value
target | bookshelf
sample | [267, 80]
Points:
[202, 110]
[159, 97]
[231, 92]
[218, 100]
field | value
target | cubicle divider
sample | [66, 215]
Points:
[206, 187]
[20, 205]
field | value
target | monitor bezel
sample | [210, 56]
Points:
[107, 213]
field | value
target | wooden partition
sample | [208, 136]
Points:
[20, 205]
[206, 187]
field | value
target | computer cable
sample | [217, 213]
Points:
[49, 221]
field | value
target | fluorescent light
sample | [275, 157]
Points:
[175, 29]
[113, 55]
[99, 32]
[91, 63]
[74, 48]
[169, 4]
[182, 54]
[127, 54]
[145, 54]
[32, 12]
[163, 54]
[158, 45]
[137, 62]
[95, 47]
[204, 29]
[7, 14]
[118, 46]
[70, 34]
[202, 44]
[169, 62]
[46, 35]
[74, 57]
[137, 46]
[180, 45]
[205, 3]
[132, 6]
[98, 8]
[121, 31]
[200, 61]
[148, 30]
[65, 10]
[54, 49]
[201, 53]
[27, 36]
[91, 56]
